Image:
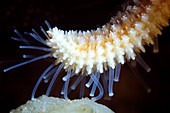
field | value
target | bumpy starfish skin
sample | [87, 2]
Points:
[113, 43]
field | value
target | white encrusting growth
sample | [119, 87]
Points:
[45, 104]
[99, 53]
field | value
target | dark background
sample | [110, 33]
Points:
[130, 97]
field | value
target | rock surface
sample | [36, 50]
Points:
[46, 104]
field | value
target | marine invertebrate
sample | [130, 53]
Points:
[99, 53]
